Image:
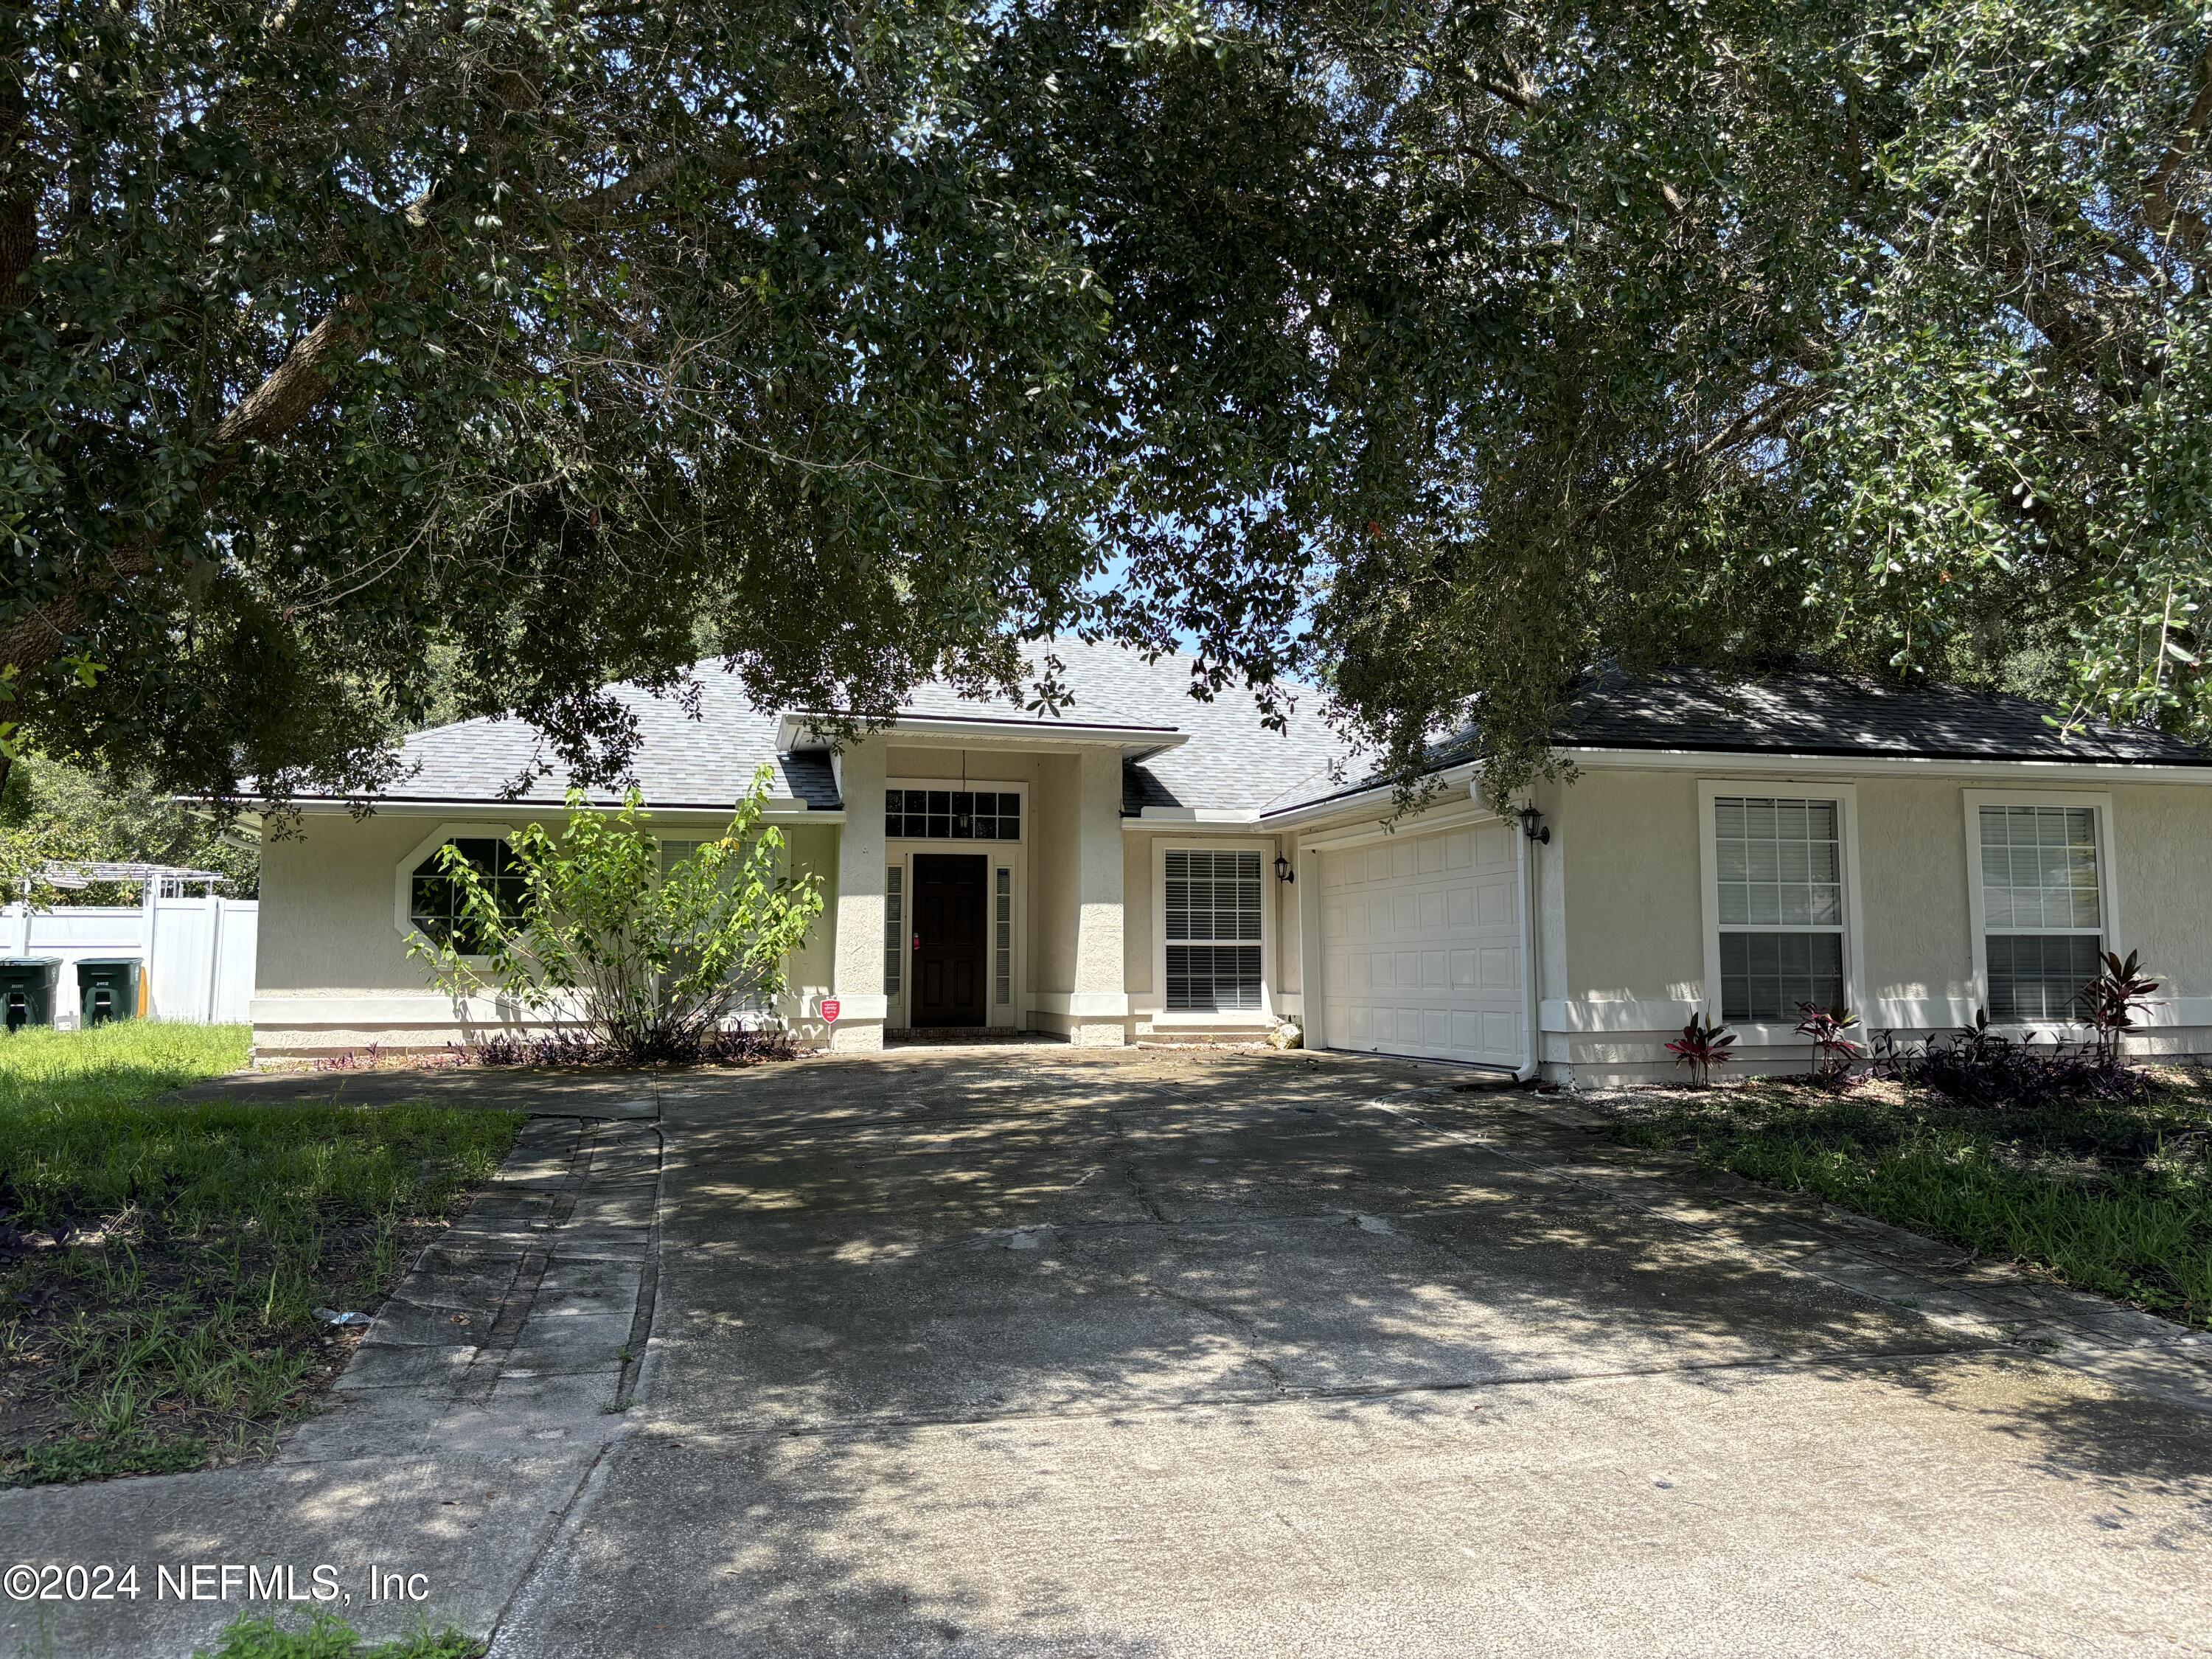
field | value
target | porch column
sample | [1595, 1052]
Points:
[1098, 1008]
[857, 970]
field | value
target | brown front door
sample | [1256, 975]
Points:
[951, 956]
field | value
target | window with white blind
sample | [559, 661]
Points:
[1212, 928]
[2043, 910]
[1778, 870]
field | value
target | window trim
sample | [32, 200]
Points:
[1846, 797]
[2108, 884]
[1158, 1015]
[402, 880]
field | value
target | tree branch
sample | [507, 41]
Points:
[2173, 224]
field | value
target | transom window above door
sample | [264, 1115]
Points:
[952, 815]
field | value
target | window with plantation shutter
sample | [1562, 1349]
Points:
[1211, 927]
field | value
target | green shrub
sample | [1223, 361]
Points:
[654, 962]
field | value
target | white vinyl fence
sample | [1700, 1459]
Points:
[195, 953]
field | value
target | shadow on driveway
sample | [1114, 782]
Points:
[1043, 1353]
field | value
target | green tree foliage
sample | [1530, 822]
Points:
[654, 961]
[1871, 331]
[50, 810]
[539, 341]
[1444, 348]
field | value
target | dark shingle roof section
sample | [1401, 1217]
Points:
[809, 776]
[1820, 713]
[1141, 789]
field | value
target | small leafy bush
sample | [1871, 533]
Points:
[1834, 1049]
[655, 964]
[1702, 1046]
[2119, 992]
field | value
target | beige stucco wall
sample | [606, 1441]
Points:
[813, 851]
[981, 767]
[1628, 847]
[1626, 843]
[333, 968]
[1140, 927]
[1055, 869]
[328, 905]
[1290, 966]
[2163, 847]
[1917, 958]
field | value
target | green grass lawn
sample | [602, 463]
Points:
[159, 1262]
[323, 1637]
[2112, 1198]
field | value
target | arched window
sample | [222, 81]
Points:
[434, 904]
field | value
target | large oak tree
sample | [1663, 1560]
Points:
[359, 353]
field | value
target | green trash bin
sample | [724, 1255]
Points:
[26, 990]
[106, 989]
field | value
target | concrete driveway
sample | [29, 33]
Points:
[1029, 1351]
[1033, 1352]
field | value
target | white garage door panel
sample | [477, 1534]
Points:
[1421, 947]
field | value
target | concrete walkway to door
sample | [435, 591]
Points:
[1041, 1352]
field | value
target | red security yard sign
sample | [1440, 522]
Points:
[830, 1007]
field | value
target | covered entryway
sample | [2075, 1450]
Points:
[1421, 946]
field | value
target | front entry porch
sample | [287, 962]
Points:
[979, 892]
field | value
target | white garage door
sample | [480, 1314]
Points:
[1421, 947]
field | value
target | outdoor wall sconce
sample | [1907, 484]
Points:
[1534, 827]
[1283, 871]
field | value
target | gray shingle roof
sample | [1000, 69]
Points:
[681, 762]
[1820, 713]
[1232, 761]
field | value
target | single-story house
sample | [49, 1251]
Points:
[1146, 865]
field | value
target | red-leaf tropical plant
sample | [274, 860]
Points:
[1702, 1046]
[2120, 991]
[1833, 1048]
[654, 963]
